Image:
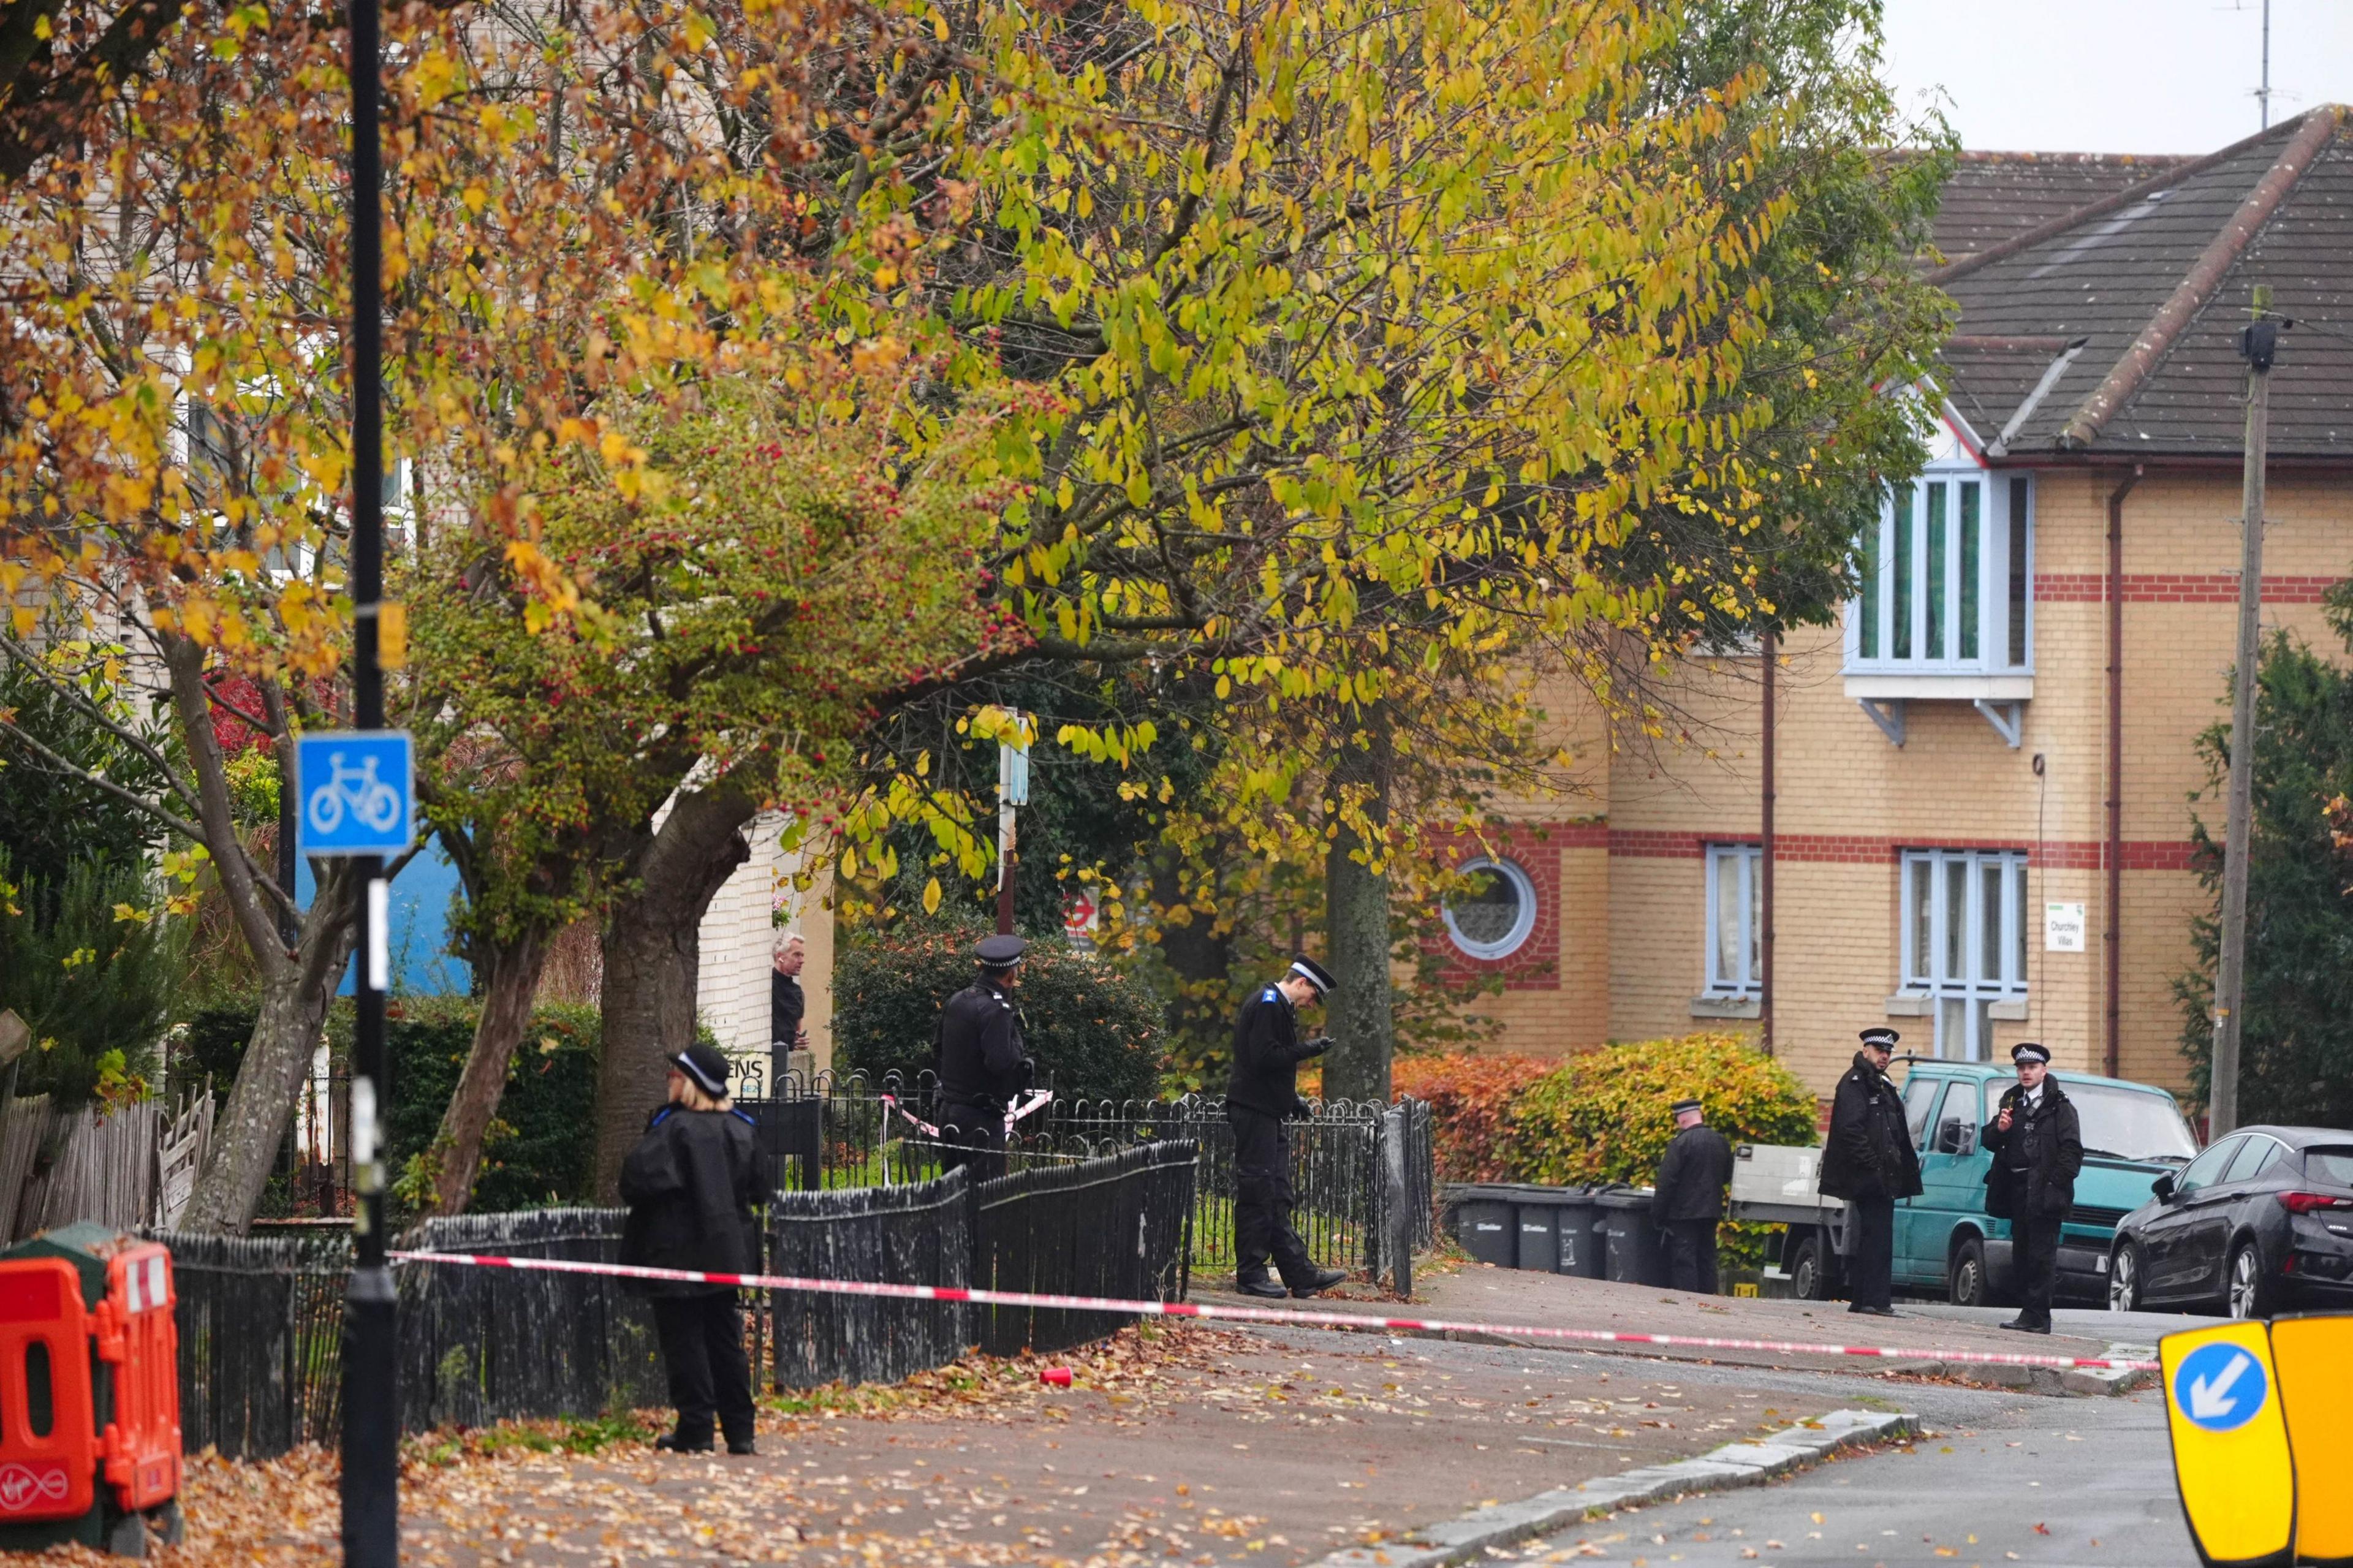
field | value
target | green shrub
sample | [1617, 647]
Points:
[1603, 1117]
[1472, 1098]
[1095, 1032]
[95, 989]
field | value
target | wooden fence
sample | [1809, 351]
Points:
[125, 1166]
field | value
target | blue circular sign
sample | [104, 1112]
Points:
[2221, 1387]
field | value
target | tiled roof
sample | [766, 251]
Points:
[2110, 330]
[1994, 196]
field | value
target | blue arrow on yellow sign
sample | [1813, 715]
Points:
[2314, 1360]
[2231, 1456]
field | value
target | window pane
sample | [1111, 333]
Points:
[1956, 919]
[1935, 572]
[2018, 922]
[1991, 874]
[1981, 1027]
[1752, 871]
[2018, 578]
[1727, 896]
[1487, 912]
[1867, 564]
[1953, 1027]
[1900, 632]
[1969, 568]
[1917, 897]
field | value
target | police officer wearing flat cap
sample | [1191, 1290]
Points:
[1869, 1161]
[1687, 1201]
[2038, 1147]
[1261, 1096]
[982, 1065]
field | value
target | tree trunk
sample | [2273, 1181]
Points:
[1357, 925]
[652, 961]
[509, 972]
[286, 1034]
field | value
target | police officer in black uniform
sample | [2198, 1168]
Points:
[982, 1063]
[1687, 1199]
[2037, 1145]
[1262, 1095]
[1869, 1161]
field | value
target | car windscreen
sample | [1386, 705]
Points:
[2130, 1123]
[2329, 1166]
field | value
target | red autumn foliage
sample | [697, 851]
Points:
[1470, 1098]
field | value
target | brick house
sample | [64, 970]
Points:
[1983, 830]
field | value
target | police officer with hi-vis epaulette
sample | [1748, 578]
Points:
[982, 1063]
[1262, 1095]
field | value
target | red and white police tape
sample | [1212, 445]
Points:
[1216, 1312]
[1012, 1114]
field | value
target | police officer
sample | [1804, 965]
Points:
[1261, 1096]
[1869, 1161]
[1687, 1202]
[982, 1063]
[2037, 1146]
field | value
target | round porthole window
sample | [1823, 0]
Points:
[1493, 918]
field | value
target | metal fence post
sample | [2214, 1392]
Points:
[1397, 1201]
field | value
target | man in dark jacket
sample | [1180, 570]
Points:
[982, 1065]
[1261, 1096]
[786, 1007]
[690, 1186]
[1869, 1161]
[1687, 1203]
[2037, 1145]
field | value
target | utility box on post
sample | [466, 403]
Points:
[89, 1393]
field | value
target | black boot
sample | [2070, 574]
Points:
[1260, 1285]
[680, 1442]
[741, 1445]
[1321, 1281]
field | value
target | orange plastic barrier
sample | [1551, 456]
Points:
[48, 1443]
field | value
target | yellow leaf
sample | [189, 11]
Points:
[392, 635]
[931, 897]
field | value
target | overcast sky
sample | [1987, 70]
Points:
[2115, 76]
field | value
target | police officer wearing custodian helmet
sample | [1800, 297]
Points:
[982, 1063]
[1262, 1095]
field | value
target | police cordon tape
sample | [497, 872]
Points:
[1038, 1100]
[1217, 1312]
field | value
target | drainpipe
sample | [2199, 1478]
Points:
[2112, 1056]
[1771, 649]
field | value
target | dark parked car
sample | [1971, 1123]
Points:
[2261, 1222]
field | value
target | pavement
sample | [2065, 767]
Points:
[1285, 1446]
[2085, 1484]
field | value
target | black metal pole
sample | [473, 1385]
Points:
[371, 1408]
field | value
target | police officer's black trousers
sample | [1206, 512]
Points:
[1871, 1260]
[974, 1137]
[1691, 1254]
[2034, 1261]
[1262, 1199]
[702, 1351]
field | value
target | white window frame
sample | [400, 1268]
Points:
[1745, 864]
[1962, 994]
[1877, 557]
[1523, 925]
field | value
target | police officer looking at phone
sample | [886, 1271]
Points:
[983, 1064]
[2037, 1145]
[1262, 1095]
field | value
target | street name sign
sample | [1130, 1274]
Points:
[354, 791]
[2314, 1359]
[2231, 1456]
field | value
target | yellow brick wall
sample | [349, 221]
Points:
[1848, 797]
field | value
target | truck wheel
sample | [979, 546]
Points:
[1809, 1279]
[1969, 1284]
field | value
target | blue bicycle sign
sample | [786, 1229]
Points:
[354, 789]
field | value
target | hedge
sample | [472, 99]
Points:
[1471, 1099]
[1095, 1032]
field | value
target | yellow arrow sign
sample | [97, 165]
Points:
[2230, 1444]
[2314, 1357]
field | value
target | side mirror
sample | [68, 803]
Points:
[2163, 1188]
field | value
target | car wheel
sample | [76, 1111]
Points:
[1968, 1284]
[2250, 1295]
[2124, 1280]
[1806, 1274]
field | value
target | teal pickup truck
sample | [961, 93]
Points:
[1946, 1242]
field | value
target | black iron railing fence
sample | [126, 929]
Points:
[261, 1320]
[843, 1131]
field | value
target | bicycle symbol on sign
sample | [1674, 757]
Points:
[375, 803]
